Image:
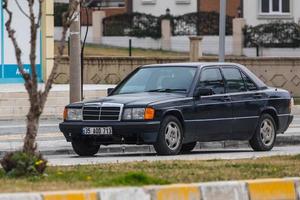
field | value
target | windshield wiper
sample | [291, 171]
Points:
[167, 90]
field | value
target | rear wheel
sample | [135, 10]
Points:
[85, 148]
[169, 141]
[187, 148]
[265, 134]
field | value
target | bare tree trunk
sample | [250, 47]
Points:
[30, 145]
[37, 98]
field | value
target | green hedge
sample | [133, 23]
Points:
[199, 23]
[275, 34]
[144, 25]
[134, 24]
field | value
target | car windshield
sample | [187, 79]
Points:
[158, 79]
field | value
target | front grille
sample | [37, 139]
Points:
[102, 112]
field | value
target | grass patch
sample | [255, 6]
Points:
[137, 179]
[148, 173]
[103, 50]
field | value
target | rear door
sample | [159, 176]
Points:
[213, 113]
[245, 102]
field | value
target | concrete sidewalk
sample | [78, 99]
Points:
[14, 102]
[12, 88]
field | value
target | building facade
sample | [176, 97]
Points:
[159, 7]
[264, 11]
[233, 7]
[181, 7]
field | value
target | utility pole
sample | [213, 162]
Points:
[75, 62]
[222, 30]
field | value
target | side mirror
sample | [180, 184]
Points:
[109, 91]
[203, 92]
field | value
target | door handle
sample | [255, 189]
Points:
[258, 95]
[226, 98]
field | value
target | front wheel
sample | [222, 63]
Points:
[85, 148]
[265, 134]
[169, 141]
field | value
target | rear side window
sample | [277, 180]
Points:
[211, 78]
[249, 83]
[234, 80]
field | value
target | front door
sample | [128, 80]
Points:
[213, 113]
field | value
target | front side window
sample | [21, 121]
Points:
[249, 83]
[159, 79]
[275, 6]
[234, 80]
[211, 78]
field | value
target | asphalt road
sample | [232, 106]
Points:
[59, 152]
[212, 154]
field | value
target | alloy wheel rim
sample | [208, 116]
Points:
[172, 135]
[267, 132]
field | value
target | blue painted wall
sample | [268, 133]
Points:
[9, 72]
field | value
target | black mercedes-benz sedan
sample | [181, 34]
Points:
[173, 106]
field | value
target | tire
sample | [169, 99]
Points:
[170, 136]
[85, 148]
[265, 134]
[187, 148]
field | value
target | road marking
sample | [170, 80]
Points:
[24, 126]
[21, 136]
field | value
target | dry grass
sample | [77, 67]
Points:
[146, 173]
[102, 50]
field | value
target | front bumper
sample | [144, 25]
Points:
[123, 132]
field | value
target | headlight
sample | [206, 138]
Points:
[138, 114]
[73, 114]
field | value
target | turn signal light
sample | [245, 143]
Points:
[149, 114]
[65, 114]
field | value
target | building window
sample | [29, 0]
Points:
[107, 3]
[275, 7]
[148, 2]
[183, 1]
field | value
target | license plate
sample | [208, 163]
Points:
[97, 131]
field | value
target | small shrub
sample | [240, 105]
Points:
[19, 164]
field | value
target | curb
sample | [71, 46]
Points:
[286, 188]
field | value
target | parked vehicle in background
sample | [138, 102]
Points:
[173, 106]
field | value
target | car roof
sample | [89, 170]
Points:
[259, 83]
[190, 64]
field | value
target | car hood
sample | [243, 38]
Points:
[138, 99]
